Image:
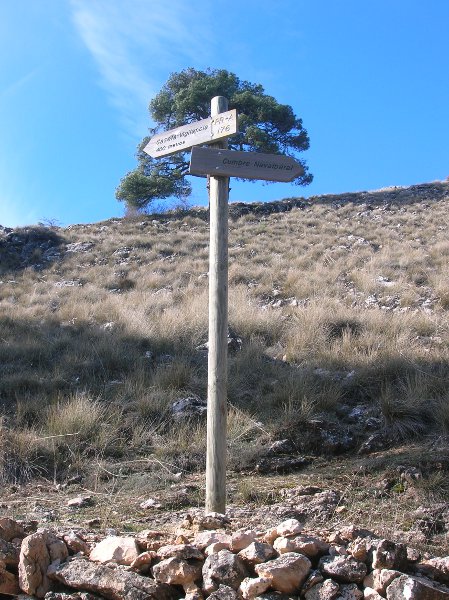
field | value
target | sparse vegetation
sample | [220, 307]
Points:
[340, 304]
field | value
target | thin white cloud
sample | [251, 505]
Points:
[136, 44]
[16, 85]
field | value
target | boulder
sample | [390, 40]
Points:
[216, 547]
[289, 527]
[38, 551]
[257, 553]
[287, 573]
[143, 561]
[389, 555]
[75, 544]
[361, 547]
[370, 594]
[9, 584]
[281, 464]
[122, 550]
[9, 553]
[350, 591]
[189, 408]
[253, 586]
[184, 551]
[413, 588]
[380, 579]
[242, 539]
[176, 571]
[314, 577]
[303, 544]
[327, 590]
[343, 569]
[193, 592]
[206, 538]
[223, 568]
[113, 582]
[10, 529]
[437, 568]
[224, 592]
[148, 539]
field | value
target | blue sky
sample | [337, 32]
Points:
[370, 79]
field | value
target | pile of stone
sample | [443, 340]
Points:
[204, 558]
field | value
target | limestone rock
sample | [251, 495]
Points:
[224, 592]
[289, 527]
[148, 539]
[327, 590]
[350, 591]
[113, 582]
[9, 553]
[352, 532]
[223, 568]
[287, 573]
[257, 553]
[184, 551]
[270, 535]
[189, 408]
[437, 568]
[370, 594]
[242, 539]
[216, 547]
[75, 544]
[80, 502]
[360, 548]
[380, 579]
[10, 529]
[303, 544]
[9, 584]
[343, 568]
[389, 555]
[206, 538]
[143, 561]
[122, 550]
[37, 552]
[253, 586]
[314, 577]
[193, 592]
[413, 588]
[210, 521]
[176, 571]
[281, 464]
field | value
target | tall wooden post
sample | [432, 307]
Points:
[218, 334]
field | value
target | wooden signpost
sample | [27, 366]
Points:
[220, 164]
[248, 165]
[201, 132]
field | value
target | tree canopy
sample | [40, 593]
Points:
[264, 125]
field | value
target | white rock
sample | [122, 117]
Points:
[121, 550]
[253, 586]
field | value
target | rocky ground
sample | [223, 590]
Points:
[214, 556]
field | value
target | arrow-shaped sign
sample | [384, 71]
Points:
[186, 136]
[247, 165]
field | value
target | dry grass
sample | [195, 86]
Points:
[338, 303]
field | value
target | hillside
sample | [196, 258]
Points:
[338, 370]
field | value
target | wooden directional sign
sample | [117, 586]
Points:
[248, 165]
[200, 132]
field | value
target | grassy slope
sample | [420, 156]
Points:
[341, 302]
